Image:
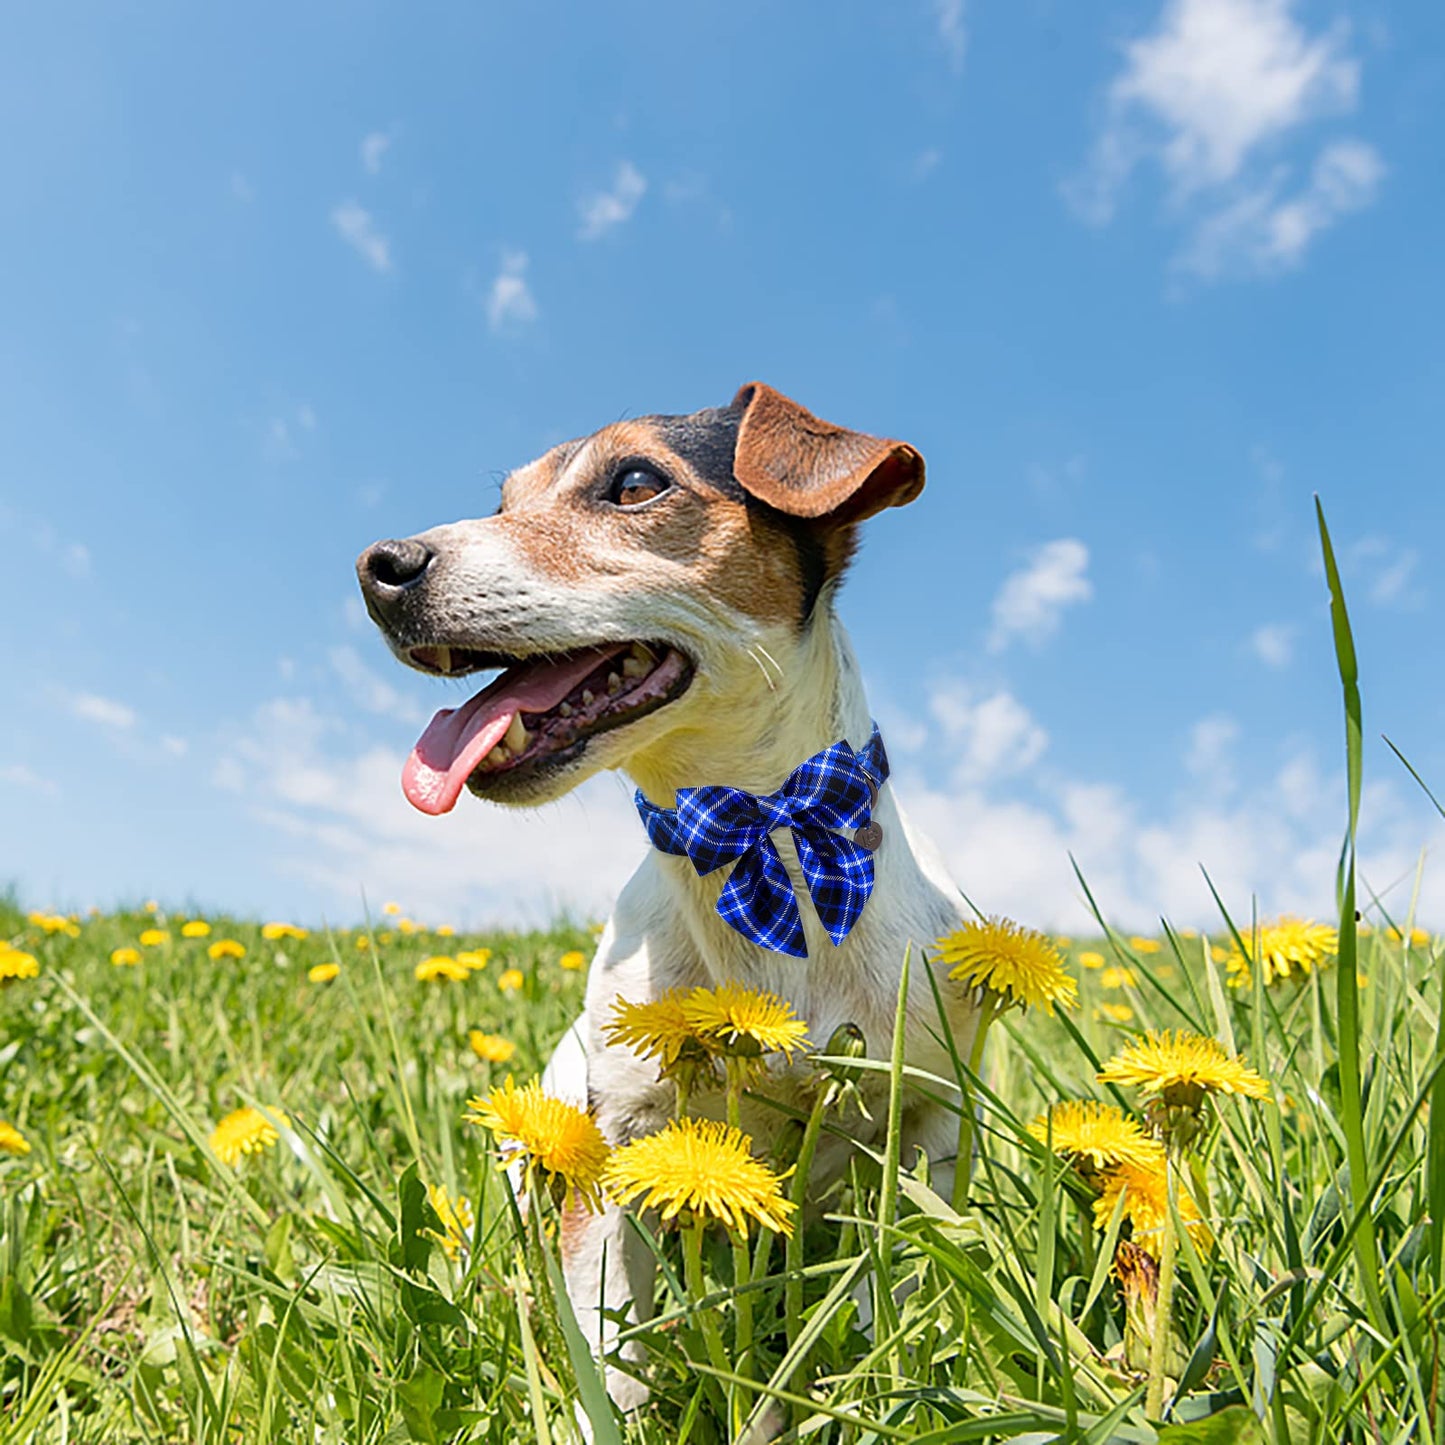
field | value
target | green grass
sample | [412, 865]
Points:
[149, 1292]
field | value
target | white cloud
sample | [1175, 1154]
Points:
[1032, 600]
[1273, 643]
[989, 738]
[1211, 742]
[370, 691]
[1212, 95]
[176, 747]
[949, 17]
[19, 776]
[343, 826]
[109, 713]
[1264, 232]
[355, 226]
[241, 189]
[509, 300]
[606, 210]
[1386, 571]
[281, 440]
[373, 150]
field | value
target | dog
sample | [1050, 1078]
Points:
[660, 595]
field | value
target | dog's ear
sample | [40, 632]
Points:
[809, 468]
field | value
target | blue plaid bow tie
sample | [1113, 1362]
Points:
[713, 826]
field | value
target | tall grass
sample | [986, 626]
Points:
[149, 1292]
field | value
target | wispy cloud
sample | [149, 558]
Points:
[988, 737]
[241, 189]
[369, 691]
[604, 211]
[1032, 600]
[17, 775]
[284, 432]
[1211, 95]
[1273, 643]
[91, 707]
[1211, 742]
[1388, 570]
[509, 301]
[373, 150]
[355, 226]
[950, 18]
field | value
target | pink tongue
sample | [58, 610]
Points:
[457, 739]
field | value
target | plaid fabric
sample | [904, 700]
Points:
[713, 826]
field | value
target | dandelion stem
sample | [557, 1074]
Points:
[1164, 1310]
[696, 1289]
[742, 1274]
[793, 1256]
[963, 1159]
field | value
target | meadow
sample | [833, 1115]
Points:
[240, 1201]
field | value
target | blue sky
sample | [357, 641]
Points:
[1136, 278]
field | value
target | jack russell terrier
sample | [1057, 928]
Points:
[660, 597]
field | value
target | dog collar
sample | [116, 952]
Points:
[712, 826]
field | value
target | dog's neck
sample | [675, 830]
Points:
[777, 712]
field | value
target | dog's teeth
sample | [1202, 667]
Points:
[517, 736]
[614, 684]
[444, 659]
[587, 697]
[643, 653]
[498, 756]
[635, 667]
[565, 710]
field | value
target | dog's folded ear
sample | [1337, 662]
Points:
[809, 468]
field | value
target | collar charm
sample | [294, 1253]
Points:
[832, 790]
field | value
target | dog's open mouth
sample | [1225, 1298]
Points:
[539, 712]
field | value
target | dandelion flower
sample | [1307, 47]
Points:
[407, 926]
[362, 941]
[54, 923]
[704, 1168]
[1118, 978]
[151, 906]
[323, 972]
[125, 957]
[444, 930]
[491, 1048]
[1180, 1068]
[1145, 945]
[657, 1029]
[743, 1021]
[1114, 1013]
[456, 1217]
[510, 980]
[275, 932]
[16, 964]
[1018, 964]
[391, 909]
[572, 960]
[441, 967]
[1096, 1136]
[473, 959]
[12, 1141]
[564, 1147]
[1145, 1188]
[226, 948]
[1286, 948]
[1062, 940]
[247, 1131]
[1089, 959]
[196, 928]
[154, 937]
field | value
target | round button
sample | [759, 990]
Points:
[869, 836]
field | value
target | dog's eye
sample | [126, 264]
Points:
[635, 485]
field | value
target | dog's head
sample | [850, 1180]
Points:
[629, 585]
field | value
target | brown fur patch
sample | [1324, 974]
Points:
[573, 1230]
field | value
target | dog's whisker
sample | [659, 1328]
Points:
[767, 676]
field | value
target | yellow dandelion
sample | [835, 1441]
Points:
[275, 932]
[473, 959]
[226, 948]
[196, 928]
[1114, 1013]
[1063, 940]
[1096, 1136]
[441, 967]
[1089, 959]
[491, 1048]
[362, 941]
[456, 1217]
[658, 1029]
[1117, 977]
[1018, 964]
[125, 957]
[744, 1021]
[1218, 954]
[1286, 948]
[703, 1168]
[1180, 1068]
[572, 960]
[12, 1141]
[564, 1148]
[151, 906]
[154, 937]
[16, 964]
[323, 972]
[1145, 945]
[510, 980]
[247, 1131]
[49, 923]
[445, 930]
[391, 910]
[1145, 1189]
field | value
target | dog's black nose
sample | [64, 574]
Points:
[389, 567]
